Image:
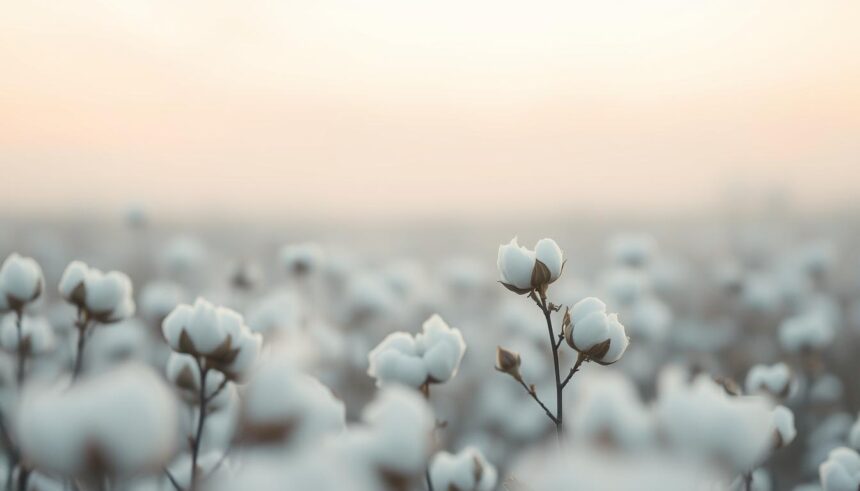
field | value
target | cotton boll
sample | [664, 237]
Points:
[783, 424]
[37, 335]
[433, 356]
[105, 297]
[774, 380]
[805, 332]
[760, 293]
[217, 334]
[120, 423]
[463, 274]
[468, 470]
[841, 471]
[302, 259]
[516, 264]
[21, 282]
[550, 254]
[117, 343]
[282, 405]
[593, 333]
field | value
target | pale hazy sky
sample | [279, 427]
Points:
[380, 107]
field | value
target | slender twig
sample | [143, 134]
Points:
[579, 360]
[534, 395]
[748, 478]
[201, 419]
[172, 480]
[559, 407]
[22, 352]
[425, 391]
[217, 390]
[81, 324]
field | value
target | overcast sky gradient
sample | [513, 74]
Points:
[404, 107]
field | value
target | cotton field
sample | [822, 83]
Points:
[138, 357]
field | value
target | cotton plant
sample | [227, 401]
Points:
[222, 347]
[773, 380]
[100, 299]
[21, 284]
[106, 428]
[586, 327]
[431, 357]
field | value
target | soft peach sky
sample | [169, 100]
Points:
[398, 107]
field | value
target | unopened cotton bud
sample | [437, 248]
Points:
[508, 362]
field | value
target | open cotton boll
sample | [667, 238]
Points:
[37, 336]
[105, 297]
[21, 282]
[301, 259]
[701, 419]
[121, 423]
[217, 334]
[841, 470]
[281, 405]
[774, 380]
[468, 470]
[805, 332]
[433, 356]
[550, 254]
[516, 264]
[594, 334]
[783, 424]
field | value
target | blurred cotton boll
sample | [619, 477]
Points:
[37, 336]
[21, 282]
[841, 470]
[282, 406]
[104, 297]
[302, 259]
[774, 380]
[159, 298]
[468, 470]
[805, 332]
[632, 250]
[431, 357]
[122, 423]
[783, 424]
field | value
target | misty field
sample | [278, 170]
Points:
[666, 356]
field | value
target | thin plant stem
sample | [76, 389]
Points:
[22, 353]
[172, 480]
[425, 391]
[81, 324]
[533, 393]
[201, 420]
[559, 406]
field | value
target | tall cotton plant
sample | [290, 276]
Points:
[586, 327]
